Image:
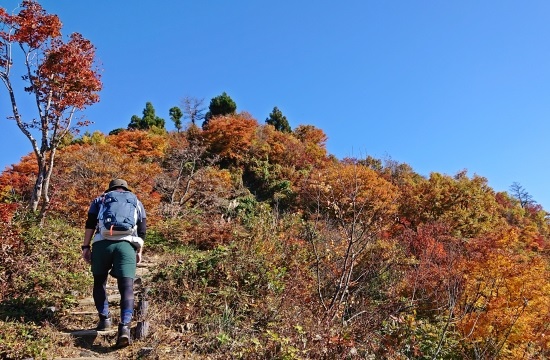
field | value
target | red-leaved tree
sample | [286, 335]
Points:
[62, 77]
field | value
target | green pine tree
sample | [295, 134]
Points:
[175, 115]
[220, 105]
[278, 120]
[148, 121]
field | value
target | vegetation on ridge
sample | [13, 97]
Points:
[268, 247]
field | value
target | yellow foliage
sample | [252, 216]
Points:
[354, 193]
[506, 300]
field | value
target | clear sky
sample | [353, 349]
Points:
[443, 86]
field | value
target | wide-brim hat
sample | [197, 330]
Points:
[118, 183]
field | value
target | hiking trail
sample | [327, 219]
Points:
[79, 322]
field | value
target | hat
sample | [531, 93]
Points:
[118, 183]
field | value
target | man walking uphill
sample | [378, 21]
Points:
[118, 220]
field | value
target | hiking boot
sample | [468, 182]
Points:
[123, 338]
[104, 323]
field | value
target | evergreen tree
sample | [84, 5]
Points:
[116, 131]
[220, 105]
[278, 120]
[175, 115]
[148, 120]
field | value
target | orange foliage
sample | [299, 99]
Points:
[71, 79]
[312, 135]
[358, 205]
[209, 190]
[352, 193]
[178, 140]
[314, 140]
[140, 145]
[190, 180]
[33, 24]
[84, 171]
[65, 76]
[210, 187]
[210, 233]
[17, 181]
[467, 205]
[506, 300]
[9, 234]
[457, 251]
[231, 136]
[287, 149]
[268, 144]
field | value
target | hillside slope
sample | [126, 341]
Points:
[266, 246]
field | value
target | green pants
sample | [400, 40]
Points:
[117, 258]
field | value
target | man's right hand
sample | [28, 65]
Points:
[87, 255]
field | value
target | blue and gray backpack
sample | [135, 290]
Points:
[118, 214]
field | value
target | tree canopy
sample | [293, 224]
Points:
[148, 121]
[278, 120]
[220, 105]
[175, 115]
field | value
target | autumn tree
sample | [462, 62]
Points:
[467, 205]
[371, 162]
[351, 207]
[285, 149]
[432, 287]
[175, 116]
[230, 137]
[314, 140]
[504, 308]
[148, 121]
[278, 120]
[85, 170]
[220, 105]
[61, 75]
[277, 162]
[141, 145]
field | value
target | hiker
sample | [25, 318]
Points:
[116, 249]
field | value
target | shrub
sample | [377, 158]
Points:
[49, 270]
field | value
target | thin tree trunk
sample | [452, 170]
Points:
[38, 185]
[46, 188]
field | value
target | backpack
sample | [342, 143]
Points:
[118, 214]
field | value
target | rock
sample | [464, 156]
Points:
[144, 352]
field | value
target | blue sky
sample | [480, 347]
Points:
[443, 86]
